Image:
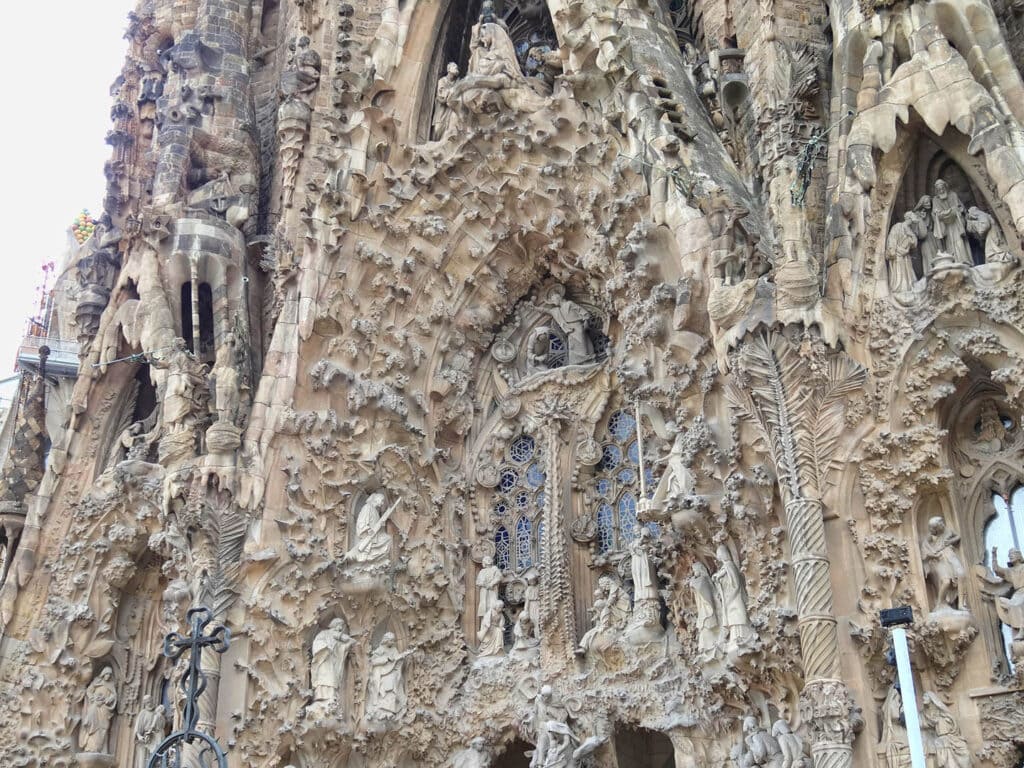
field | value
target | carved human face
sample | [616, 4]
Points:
[940, 188]
[478, 744]
[936, 525]
[1015, 557]
[453, 70]
[488, 561]
[388, 639]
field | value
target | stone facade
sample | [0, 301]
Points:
[551, 384]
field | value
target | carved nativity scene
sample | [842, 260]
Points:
[523, 383]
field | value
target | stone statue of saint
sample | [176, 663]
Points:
[445, 116]
[942, 566]
[948, 224]
[645, 581]
[184, 374]
[385, 698]
[984, 228]
[331, 647]
[926, 242]
[149, 730]
[547, 707]
[894, 731]
[492, 631]
[707, 618]
[949, 747]
[100, 702]
[604, 623]
[373, 543]
[524, 634]
[488, 584]
[899, 247]
[476, 755]
[677, 479]
[735, 630]
[531, 601]
[226, 386]
[1009, 592]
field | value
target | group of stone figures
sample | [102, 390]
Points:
[495, 80]
[98, 710]
[938, 230]
[385, 687]
[943, 741]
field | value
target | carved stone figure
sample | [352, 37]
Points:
[330, 651]
[707, 617]
[183, 378]
[645, 580]
[524, 634]
[759, 747]
[372, 545]
[385, 698]
[894, 731]
[299, 80]
[735, 630]
[607, 623]
[927, 243]
[899, 247]
[948, 224]
[531, 600]
[488, 584]
[547, 707]
[942, 566]
[492, 631]
[676, 479]
[791, 746]
[982, 226]
[476, 755]
[493, 80]
[572, 319]
[1008, 589]
[227, 396]
[445, 116]
[98, 713]
[948, 746]
[149, 730]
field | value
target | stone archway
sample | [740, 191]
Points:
[514, 756]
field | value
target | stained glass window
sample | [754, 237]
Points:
[616, 485]
[517, 508]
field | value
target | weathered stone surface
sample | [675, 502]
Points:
[578, 379]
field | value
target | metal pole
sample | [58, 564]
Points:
[640, 450]
[909, 696]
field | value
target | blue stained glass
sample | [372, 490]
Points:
[633, 452]
[522, 449]
[655, 529]
[557, 356]
[540, 500]
[502, 548]
[627, 518]
[603, 486]
[605, 528]
[535, 476]
[622, 426]
[524, 544]
[626, 476]
[509, 479]
[522, 499]
[540, 541]
[500, 509]
[611, 456]
[649, 481]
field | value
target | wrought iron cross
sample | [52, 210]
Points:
[170, 753]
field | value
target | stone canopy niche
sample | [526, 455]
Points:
[941, 223]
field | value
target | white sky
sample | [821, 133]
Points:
[58, 61]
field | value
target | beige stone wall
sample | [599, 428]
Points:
[592, 400]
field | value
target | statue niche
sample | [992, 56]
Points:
[549, 332]
[941, 224]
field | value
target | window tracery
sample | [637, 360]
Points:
[617, 487]
[518, 504]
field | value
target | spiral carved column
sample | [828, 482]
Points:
[825, 702]
[558, 624]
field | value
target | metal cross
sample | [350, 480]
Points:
[170, 752]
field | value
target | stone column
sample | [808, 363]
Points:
[557, 620]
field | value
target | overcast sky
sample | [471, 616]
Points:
[58, 61]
